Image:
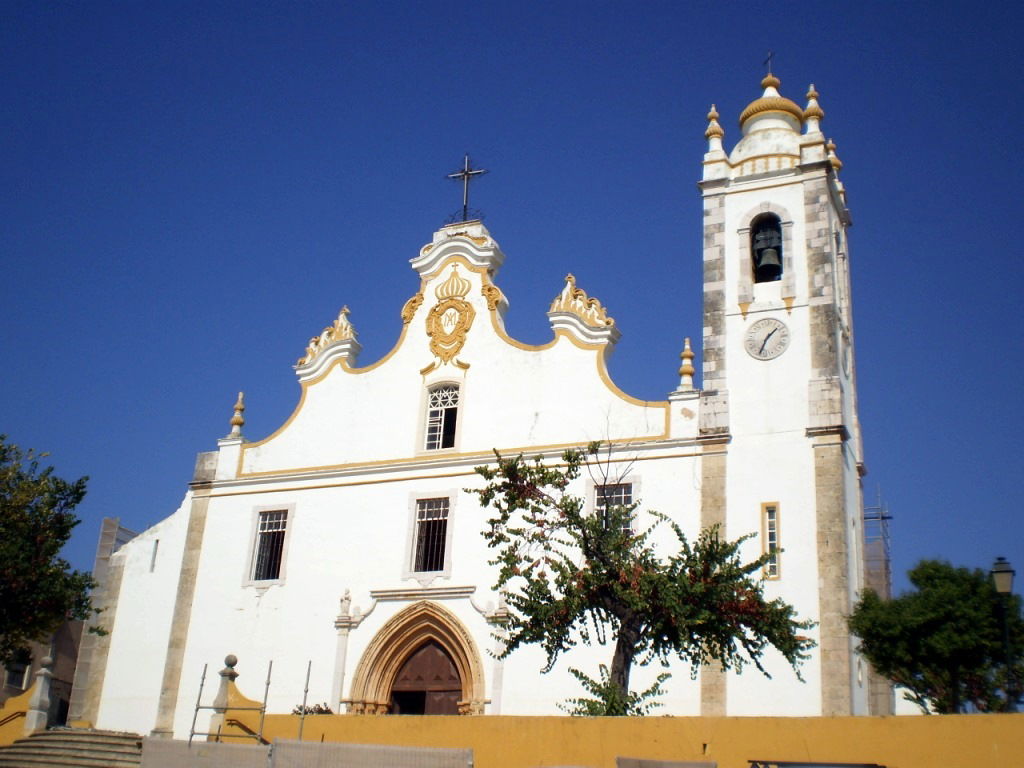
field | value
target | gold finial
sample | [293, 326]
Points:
[770, 81]
[686, 369]
[813, 110]
[576, 301]
[238, 421]
[340, 330]
[836, 162]
[714, 130]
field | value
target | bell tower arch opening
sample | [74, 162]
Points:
[422, 661]
[766, 248]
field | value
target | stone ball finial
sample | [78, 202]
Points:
[47, 661]
[230, 660]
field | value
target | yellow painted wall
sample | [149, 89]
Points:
[934, 741]
[12, 716]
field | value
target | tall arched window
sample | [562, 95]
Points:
[442, 416]
[766, 248]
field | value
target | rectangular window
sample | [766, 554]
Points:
[269, 548]
[614, 495]
[442, 416]
[16, 672]
[431, 534]
[770, 526]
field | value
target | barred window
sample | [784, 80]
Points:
[269, 547]
[442, 416]
[614, 495]
[431, 534]
[770, 513]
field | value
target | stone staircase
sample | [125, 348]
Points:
[73, 748]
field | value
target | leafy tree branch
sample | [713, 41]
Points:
[572, 576]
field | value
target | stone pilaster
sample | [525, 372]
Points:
[821, 280]
[94, 649]
[713, 355]
[182, 617]
[833, 580]
[712, 512]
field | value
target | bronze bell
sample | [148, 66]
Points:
[768, 265]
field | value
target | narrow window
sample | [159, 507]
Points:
[766, 248]
[269, 545]
[442, 415]
[431, 534]
[152, 559]
[16, 672]
[615, 495]
[770, 514]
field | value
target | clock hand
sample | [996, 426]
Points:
[770, 333]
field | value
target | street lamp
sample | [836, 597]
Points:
[1002, 578]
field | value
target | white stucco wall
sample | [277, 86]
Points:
[142, 624]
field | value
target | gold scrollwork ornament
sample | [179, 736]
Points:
[447, 325]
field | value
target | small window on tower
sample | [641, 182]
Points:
[766, 248]
[442, 416]
[770, 541]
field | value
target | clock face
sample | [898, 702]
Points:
[766, 339]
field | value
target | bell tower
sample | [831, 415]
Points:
[779, 397]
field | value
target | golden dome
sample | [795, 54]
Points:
[771, 101]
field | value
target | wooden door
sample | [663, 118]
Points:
[427, 684]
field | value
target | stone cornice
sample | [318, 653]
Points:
[421, 593]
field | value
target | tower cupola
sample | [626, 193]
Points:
[770, 108]
[771, 128]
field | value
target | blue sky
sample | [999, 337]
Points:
[192, 190]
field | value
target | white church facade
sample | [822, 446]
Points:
[347, 538]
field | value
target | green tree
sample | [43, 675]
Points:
[943, 641]
[38, 590]
[570, 576]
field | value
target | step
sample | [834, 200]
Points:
[60, 748]
[83, 735]
[73, 748]
[107, 743]
[14, 759]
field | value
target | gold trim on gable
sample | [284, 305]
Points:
[485, 277]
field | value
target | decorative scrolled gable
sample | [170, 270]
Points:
[468, 239]
[582, 316]
[337, 340]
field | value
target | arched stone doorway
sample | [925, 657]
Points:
[421, 659]
[427, 684]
